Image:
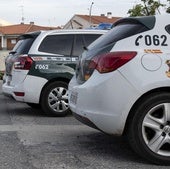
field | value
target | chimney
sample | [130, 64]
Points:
[109, 15]
[31, 23]
[102, 14]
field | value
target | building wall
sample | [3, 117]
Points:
[11, 42]
[77, 23]
[6, 45]
[3, 42]
[8, 42]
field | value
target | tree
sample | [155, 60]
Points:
[137, 10]
[149, 7]
[168, 8]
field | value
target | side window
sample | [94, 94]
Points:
[83, 41]
[90, 38]
[57, 44]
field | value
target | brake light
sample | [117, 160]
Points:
[23, 62]
[111, 61]
[108, 62]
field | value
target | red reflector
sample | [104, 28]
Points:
[111, 61]
[19, 93]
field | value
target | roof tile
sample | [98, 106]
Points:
[99, 19]
[23, 28]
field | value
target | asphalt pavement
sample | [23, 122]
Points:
[31, 140]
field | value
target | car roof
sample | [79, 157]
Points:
[64, 31]
[73, 31]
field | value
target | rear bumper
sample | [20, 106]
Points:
[85, 120]
[9, 91]
[103, 102]
[31, 87]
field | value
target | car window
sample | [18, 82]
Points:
[23, 46]
[24, 43]
[57, 44]
[83, 40]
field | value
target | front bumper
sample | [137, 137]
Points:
[105, 100]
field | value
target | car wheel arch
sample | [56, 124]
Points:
[138, 101]
[51, 81]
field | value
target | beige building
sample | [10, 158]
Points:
[86, 21]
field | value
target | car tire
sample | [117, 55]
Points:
[149, 128]
[54, 99]
[34, 105]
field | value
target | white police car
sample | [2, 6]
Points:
[41, 65]
[122, 85]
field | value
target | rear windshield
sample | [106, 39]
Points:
[120, 31]
[24, 44]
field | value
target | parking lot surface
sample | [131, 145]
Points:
[31, 140]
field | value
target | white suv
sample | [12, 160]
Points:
[41, 65]
[122, 85]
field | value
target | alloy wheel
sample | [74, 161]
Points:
[58, 99]
[156, 129]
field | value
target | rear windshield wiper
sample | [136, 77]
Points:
[85, 48]
[12, 52]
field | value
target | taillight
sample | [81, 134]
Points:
[23, 62]
[108, 62]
